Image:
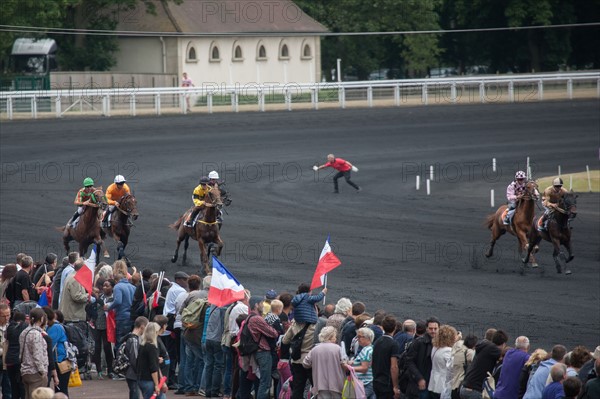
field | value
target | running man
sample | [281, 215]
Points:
[343, 167]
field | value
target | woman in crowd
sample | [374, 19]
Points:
[327, 366]
[463, 352]
[577, 358]
[538, 356]
[148, 368]
[441, 362]
[34, 353]
[8, 273]
[59, 340]
[12, 352]
[100, 333]
[362, 362]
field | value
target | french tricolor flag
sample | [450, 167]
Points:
[327, 262]
[224, 287]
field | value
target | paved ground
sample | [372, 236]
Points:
[401, 250]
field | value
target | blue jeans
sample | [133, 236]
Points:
[246, 386]
[147, 388]
[5, 385]
[369, 393]
[264, 360]
[184, 383]
[213, 358]
[467, 393]
[123, 327]
[134, 389]
[194, 367]
[227, 373]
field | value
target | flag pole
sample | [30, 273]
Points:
[325, 286]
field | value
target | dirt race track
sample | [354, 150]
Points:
[403, 251]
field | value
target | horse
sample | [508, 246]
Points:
[521, 223]
[120, 224]
[206, 230]
[558, 232]
[88, 230]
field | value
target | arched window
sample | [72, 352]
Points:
[262, 52]
[285, 53]
[306, 53]
[190, 54]
[215, 55]
[237, 53]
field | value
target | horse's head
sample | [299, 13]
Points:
[99, 198]
[569, 204]
[128, 204]
[213, 197]
[531, 191]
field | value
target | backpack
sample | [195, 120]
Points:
[286, 389]
[248, 345]
[122, 362]
[403, 371]
[81, 339]
[193, 315]
[296, 343]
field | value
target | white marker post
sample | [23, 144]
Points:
[493, 166]
[570, 182]
[418, 182]
[428, 187]
[587, 168]
[492, 197]
[559, 171]
[431, 172]
[528, 170]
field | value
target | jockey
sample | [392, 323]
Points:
[214, 179]
[551, 198]
[198, 197]
[84, 197]
[514, 190]
[114, 193]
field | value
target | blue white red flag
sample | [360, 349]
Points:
[224, 287]
[327, 262]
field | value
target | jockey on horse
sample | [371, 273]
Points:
[550, 200]
[514, 190]
[198, 198]
[85, 196]
[214, 180]
[114, 193]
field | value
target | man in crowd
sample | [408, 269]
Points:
[122, 300]
[22, 283]
[73, 297]
[4, 380]
[418, 360]
[514, 360]
[172, 341]
[554, 390]
[537, 381]
[404, 337]
[385, 362]
[66, 272]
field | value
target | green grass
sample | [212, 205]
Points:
[580, 181]
[270, 98]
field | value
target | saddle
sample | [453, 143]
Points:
[540, 225]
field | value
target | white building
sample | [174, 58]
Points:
[222, 42]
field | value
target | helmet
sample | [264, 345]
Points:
[204, 180]
[119, 179]
[213, 175]
[88, 182]
[520, 175]
[557, 182]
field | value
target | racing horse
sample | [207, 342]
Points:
[558, 232]
[120, 223]
[205, 231]
[88, 230]
[521, 222]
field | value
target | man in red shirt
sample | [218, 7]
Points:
[343, 167]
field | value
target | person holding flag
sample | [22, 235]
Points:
[74, 297]
[344, 169]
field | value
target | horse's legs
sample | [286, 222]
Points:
[67, 240]
[203, 256]
[186, 244]
[496, 233]
[220, 245]
[556, 254]
[180, 236]
[567, 244]
[121, 244]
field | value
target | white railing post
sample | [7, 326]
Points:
[397, 95]
[314, 97]
[58, 106]
[107, 105]
[540, 90]
[157, 103]
[132, 105]
[570, 89]
[261, 100]
[342, 97]
[424, 94]
[9, 107]
[182, 104]
[511, 91]
[598, 88]
[453, 93]
[482, 92]
[34, 107]
[370, 96]
[288, 99]
[209, 102]
[234, 101]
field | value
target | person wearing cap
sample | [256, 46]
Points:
[514, 191]
[198, 198]
[85, 197]
[172, 341]
[269, 296]
[117, 190]
[343, 167]
[122, 300]
[213, 176]
[550, 199]
[586, 371]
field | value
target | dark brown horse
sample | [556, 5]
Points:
[521, 223]
[558, 232]
[206, 230]
[120, 224]
[88, 230]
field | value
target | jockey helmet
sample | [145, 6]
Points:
[520, 175]
[213, 175]
[88, 182]
[120, 179]
[204, 180]
[557, 182]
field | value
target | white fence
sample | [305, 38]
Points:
[505, 88]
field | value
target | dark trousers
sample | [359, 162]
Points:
[17, 387]
[301, 376]
[235, 372]
[5, 384]
[63, 382]
[102, 343]
[134, 389]
[173, 346]
[346, 176]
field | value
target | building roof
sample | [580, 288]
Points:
[219, 17]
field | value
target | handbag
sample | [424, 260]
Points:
[353, 387]
[75, 379]
[65, 366]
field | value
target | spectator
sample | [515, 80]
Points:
[213, 355]
[327, 366]
[269, 296]
[578, 357]
[100, 332]
[132, 344]
[12, 350]
[349, 328]
[341, 314]
[572, 388]
[21, 284]
[172, 341]
[405, 336]
[529, 368]
[324, 316]
[418, 360]
[73, 297]
[537, 381]
[592, 387]
[48, 268]
[163, 360]
[58, 337]
[34, 353]
[462, 356]
[121, 304]
[4, 323]
[148, 368]
[385, 362]
[6, 277]
[441, 362]
[362, 361]
[376, 324]
[514, 361]
[286, 315]
[554, 390]
[66, 272]
[43, 393]
[192, 353]
[138, 305]
[587, 370]
[237, 309]
[272, 319]
[56, 282]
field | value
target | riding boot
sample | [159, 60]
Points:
[542, 223]
[73, 218]
[190, 221]
[105, 219]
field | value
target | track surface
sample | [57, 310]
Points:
[402, 251]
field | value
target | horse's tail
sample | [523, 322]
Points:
[60, 229]
[177, 224]
[489, 220]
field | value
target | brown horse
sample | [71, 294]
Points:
[120, 224]
[88, 230]
[206, 230]
[558, 232]
[521, 223]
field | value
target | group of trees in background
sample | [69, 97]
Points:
[408, 55]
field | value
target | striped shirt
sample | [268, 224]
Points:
[365, 355]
